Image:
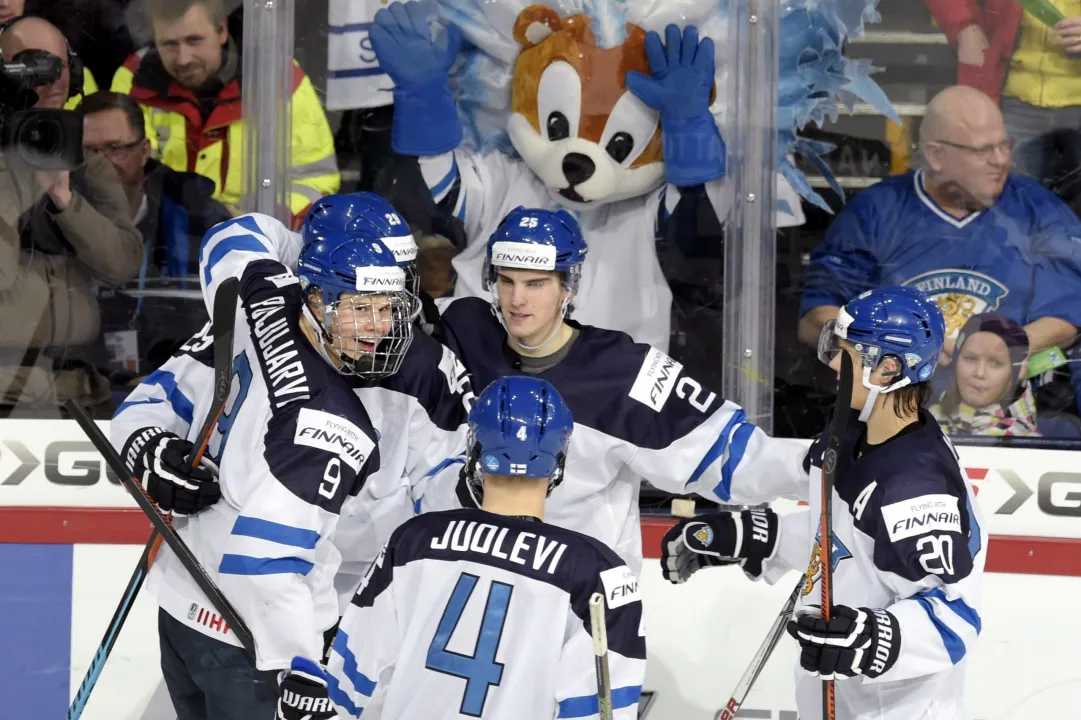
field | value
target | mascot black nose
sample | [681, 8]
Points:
[578, 168]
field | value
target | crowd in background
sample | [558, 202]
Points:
[99, 264]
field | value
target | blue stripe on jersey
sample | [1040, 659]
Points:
[586, 705]
[247, 565]
[461, 212]
[340, 698]
[953, 643]
[975, 542]
[182, 406]
[740, 438]
[449, 178]
[722, 489]
[363, 684]
[227, 245]
[275, 532]
[960, 608]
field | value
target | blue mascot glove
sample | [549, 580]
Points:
[425, 116]
[682, 78]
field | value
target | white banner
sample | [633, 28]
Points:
[1022, 492]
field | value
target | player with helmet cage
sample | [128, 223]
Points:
[415, 390]
[292, 447]
[638, 415]
[368, 212]
[908, 548]
[499, 583]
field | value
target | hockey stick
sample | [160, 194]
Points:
[838, 424]
[600, 656]
[225, 302]
[750, 675]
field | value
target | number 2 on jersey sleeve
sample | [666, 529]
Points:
[479, 670]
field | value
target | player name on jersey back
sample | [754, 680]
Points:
[528, 549]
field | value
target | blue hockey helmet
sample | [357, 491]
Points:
[536, 239]
[368, 214]
[370, 335]
[519, 426]
[895, 321]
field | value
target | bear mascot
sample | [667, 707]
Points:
[596, 114]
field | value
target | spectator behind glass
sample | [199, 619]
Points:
[172, 210]
[964, 231]
[11, 9]
[189, 87]
[63, 234]
[1029, 68]
[989, 393]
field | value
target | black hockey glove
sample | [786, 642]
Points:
[854, 642]
[159, 459]
[302, 693]
[747, 538]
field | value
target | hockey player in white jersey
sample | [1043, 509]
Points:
[417, 395]
[292, 445]
[908, 548]
[637, 414]
[485, 612]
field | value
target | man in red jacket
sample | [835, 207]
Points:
[1030, 69]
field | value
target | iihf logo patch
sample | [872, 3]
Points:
[193, 611]
[925, 372]
[491, 463]
[704, 535]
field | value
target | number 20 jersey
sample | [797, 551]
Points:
[471, 614]
[907, 538]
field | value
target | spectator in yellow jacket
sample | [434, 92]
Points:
[189, 87]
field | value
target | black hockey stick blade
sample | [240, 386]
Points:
[78, 703]
[222, 329]
[178, 546]
[830, 461]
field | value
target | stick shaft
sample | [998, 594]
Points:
[600, 654]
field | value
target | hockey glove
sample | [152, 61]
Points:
[159, 459]
[302, 693]
[854, 642]
[425, 117]
[748, 538]
[679, 87]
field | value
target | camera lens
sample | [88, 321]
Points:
[41, 135]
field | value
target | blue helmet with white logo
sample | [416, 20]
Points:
[366, 311]
[535, 239]
[519, 426]
[896, 321]
[368, 214]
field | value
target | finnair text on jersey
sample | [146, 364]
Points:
[522, 548]
[278, 350]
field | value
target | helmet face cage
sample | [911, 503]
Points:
[370, 333]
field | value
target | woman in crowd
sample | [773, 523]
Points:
[989, 393]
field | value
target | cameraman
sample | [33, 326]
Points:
[61, 233]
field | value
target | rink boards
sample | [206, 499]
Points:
[69, 538]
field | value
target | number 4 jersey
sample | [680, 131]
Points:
[908, 538]
[471, 614]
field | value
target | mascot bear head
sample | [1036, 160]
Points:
[572, 120]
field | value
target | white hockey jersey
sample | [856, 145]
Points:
[354, 78]
[637, 416]
[908, 538]
[420, 413]
[471, 614]
[293, 443]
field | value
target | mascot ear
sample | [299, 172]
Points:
[535, 24]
